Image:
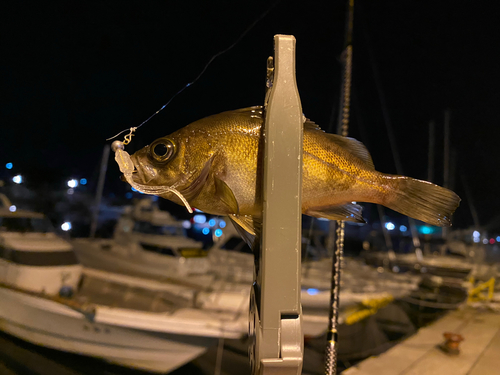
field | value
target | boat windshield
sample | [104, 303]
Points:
[25, 225]
[148, 228]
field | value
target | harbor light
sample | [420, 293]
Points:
[498, 239]
[9, 165]
[218, 232]
[12, 208]
[312, 291]
[222, 224]
[492, 241]
[485, 241]
[212, 222]
[200, 219]
[476, 236]
[390, 226]
[205, 231]
[66, 226]
[403, 228]
[72, 183]
[186, 224]
[426, 230]
[17, 179]
[83, 181]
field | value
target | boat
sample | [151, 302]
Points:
[146, 241]
[50, 299]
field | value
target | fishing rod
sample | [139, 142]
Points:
[338, 245]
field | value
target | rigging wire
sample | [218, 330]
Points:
[242, 35]
[343, 129]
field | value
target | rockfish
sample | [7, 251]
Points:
[216, 164]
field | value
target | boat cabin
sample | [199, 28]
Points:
[33, 257]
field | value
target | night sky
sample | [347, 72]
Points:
[74, 73]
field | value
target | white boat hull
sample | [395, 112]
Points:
[54, 325]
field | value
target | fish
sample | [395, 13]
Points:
[216, 165]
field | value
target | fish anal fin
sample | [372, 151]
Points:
[346, 212]
[226, 195]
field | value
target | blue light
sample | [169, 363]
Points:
[211, 222]
[476, 234]
[222, 224]
[83, 181]
[426, 230]
[9, 165]
[218, 232]
[134, 189]
[312, 291]
[403, 228]
[13, 208]
[200, 219]
[390, 226]
[498, 239]
[205, 231]
[66, 226]
[17, 179]
[72, 183]
[129, 195]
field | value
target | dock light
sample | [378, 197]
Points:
[492, 241]
[222, 224]
[12, 208]
[498, 239]
[205, 231]
[9, 165]
[485, 241]
[83, 181]
[66, 226]
[211, 222]
[186, 224]
[312, 291]
[218, 232]
[17, 179]
[403, 228]
[200, 219]
[390, 226]
[72, 183]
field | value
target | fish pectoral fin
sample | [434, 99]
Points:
[248, 227]
[346, 212]
[226, 195]
[194, 189]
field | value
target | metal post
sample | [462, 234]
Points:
[100, 187]
[275, 309]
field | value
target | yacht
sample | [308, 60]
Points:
[50, 299]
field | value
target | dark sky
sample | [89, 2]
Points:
[75, 73]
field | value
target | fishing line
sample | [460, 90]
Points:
[247, 30]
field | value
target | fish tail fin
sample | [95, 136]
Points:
[421, 200]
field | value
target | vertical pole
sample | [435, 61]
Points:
[430, 162]
[342, 128]
[446, 158]
[100, 187]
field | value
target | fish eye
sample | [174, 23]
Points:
[162, 150]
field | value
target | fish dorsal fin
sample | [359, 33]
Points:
[255, 111]
[226, 195]
[347, 212]
[354, 147]
[311, 125]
